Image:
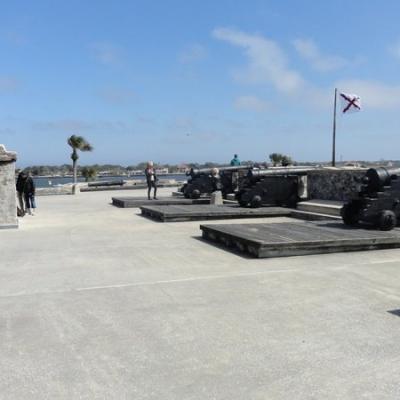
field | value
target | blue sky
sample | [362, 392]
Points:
[179, 81]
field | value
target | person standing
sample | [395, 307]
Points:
[216, 195]
[235, 161]
[20, 191]
[29, 194]
[151, 179]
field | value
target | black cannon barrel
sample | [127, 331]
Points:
[197, 171]
[378, 178]
[253, 173]
[119, 182]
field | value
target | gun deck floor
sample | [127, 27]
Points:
[294, 239]
[134, 202]
[176, 213]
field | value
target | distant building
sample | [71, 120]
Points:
[136, 172]
[352, 164]
[182, 168]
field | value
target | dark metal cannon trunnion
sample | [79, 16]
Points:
[378, 201]
[272, 187]
[132, 202]
[295, 239]
[175, 213]
[201, 182]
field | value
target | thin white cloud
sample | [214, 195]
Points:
[107, 53]
[7, 132]
[394, 50]
[198, 138]
[145, 120]
[16, 38]
[251, 103]
[183, 124]
[193, 53]
[308, 50]
[373, 94]
[78, 125]
[8, 84]
[267, 63]
[115, 95]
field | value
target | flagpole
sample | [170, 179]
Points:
[334, 131]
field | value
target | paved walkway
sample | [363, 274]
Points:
[97, 302]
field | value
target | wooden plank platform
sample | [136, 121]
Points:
[294, 239]
[132, 202]
[175, 213]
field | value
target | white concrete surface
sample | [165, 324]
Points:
[98, 302]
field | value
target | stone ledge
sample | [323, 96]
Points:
[7, 156]
[8, 226]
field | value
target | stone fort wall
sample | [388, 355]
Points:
[8, 203]
[332, 184]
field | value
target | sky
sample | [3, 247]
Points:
[178, 81]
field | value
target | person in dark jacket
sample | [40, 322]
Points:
[20, 190]
[29, 195]
[151, 179]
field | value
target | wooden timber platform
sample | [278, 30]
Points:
[176, 213]
[132, 202]
[295, 239]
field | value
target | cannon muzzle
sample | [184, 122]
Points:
[377, 178]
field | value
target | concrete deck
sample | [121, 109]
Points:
[97, 302]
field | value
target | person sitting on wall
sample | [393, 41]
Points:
[216, 195]
[235, 161]
[215, 179]
[151, 179]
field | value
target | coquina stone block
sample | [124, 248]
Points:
[8, 201]
[339, 184]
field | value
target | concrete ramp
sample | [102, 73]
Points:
[198, 212]
[134, 202]
[295, 239]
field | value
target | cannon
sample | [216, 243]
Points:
[201, 182]
[378, 201]
[273, 187]
[119, 182]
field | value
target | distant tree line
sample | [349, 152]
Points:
[112, 169]
[91, 171]
[280, 159]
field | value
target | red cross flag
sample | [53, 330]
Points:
[350, 103]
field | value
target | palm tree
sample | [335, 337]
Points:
[276, 158]
[77, 143]
[89, 173]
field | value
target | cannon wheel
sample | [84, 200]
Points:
[387, 220]
[350, 214]
[292, 201]
[256, 201]
[195, 194]
[241, 199]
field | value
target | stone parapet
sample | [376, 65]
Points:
[7, 156]
[334, 184]
[8, 202]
